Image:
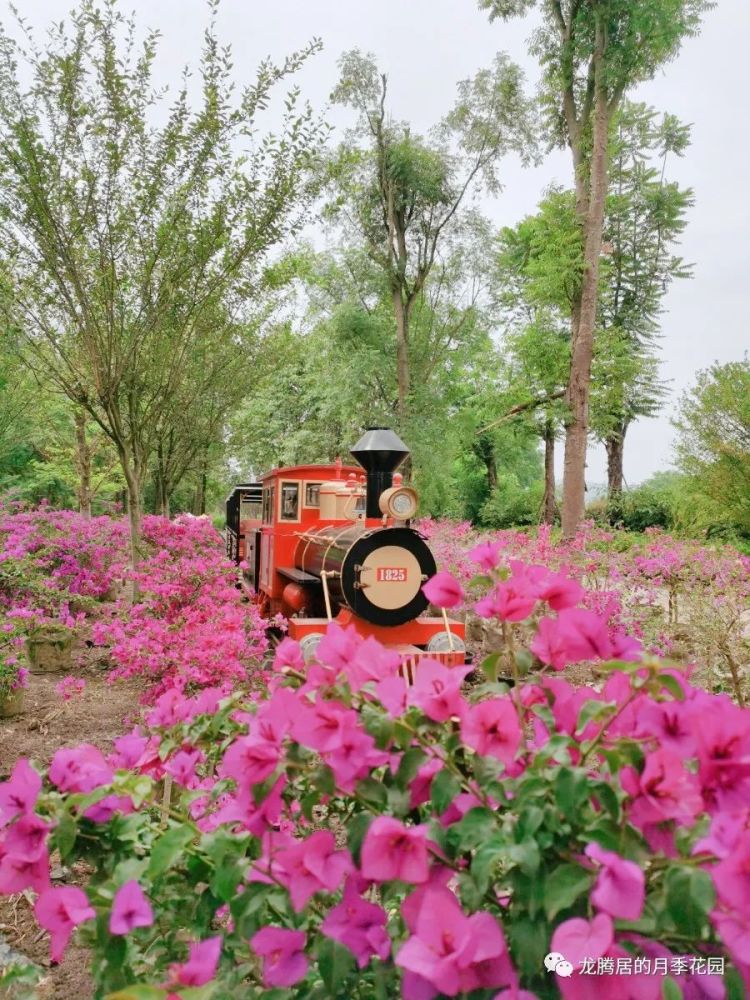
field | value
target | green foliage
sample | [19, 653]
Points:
[713, 446]
[133, 233]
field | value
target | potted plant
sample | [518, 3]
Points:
[13, 681]
[49, 648]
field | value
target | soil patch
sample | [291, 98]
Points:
[99, 715]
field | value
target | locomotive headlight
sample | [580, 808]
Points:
[399, 502]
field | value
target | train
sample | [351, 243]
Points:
[336, 542]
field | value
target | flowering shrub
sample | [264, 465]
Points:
[681, 598]
[191, 627]
[343, 835]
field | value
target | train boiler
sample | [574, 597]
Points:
[336, 543]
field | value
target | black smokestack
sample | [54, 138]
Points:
[379, 451]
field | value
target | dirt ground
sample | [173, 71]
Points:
[97, 716]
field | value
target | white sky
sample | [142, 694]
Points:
[426, 46]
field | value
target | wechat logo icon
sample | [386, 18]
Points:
[555, 962]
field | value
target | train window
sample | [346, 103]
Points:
[289, 502]
[249, 507]
[312, 494]
[268, 498]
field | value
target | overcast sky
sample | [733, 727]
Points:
[426, 46]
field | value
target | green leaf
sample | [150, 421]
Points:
[526, 856]
[444, 789]
[563, 887]
[65, 835]
[356, 829]
[138, 993]
[670, 682]
[486, 857]
[591, 710]
[670, 990]
[226, 879]
[571, 790]
[168, 848]
[529, 940]
[490, 665]
[379, 725]
[474, 828]
[336, 963]
[410, 763]
[690, 897]
[199, 992]
[373, 792]
[399, 800]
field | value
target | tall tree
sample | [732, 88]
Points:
[125, 223]
[645, 216]
[400, 195]
[593, 52]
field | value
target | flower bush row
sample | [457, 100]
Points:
[189, 626]
[679, 597]
[335, 833]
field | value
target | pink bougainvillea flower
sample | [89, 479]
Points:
[486, 555]
[103, 810]
[665, 790]
[171, 707]
[511, 601]
[452, 952]
[249, 761]
[724, 834]
[338, 647]
[79, 769]
[182, 767]
[723, 737]
[59, 911]
[372, 662]
[19, 794]
[560, 591]
[585, 635]
[443, 590]
[392, 693]
[282, 950]
[358, 925]
[620, 888]
[17, 874]
[492, 729]
[321, 726]
[130, 909]
[356, 756]
[577, 939]
[670, 723]
[419, 788]
[27, 837]
[732, 876]
[288, 655]
[549, 644]
[200, 968]
[393, 851]
[312, 865]
[437, 689]
[128, 750]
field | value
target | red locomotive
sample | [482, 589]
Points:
[323, 543]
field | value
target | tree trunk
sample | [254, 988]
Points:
[83, 464]
[160, 482]
[579, 385]
[402, 355]
[615, 445]
[549, 506]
